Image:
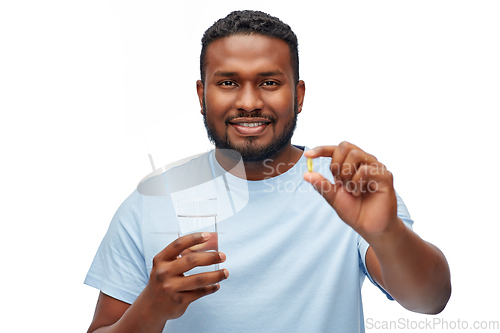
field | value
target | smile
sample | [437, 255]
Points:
[249, 124]
[250, 129]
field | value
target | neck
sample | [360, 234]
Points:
[261, 170]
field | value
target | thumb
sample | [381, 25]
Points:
[322, 185]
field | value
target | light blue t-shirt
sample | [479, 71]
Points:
[294, 265]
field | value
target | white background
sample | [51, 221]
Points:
[89, 88]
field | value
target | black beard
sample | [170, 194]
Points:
[250, 152]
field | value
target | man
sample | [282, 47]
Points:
[297, 257]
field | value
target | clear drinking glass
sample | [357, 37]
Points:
[199, 215]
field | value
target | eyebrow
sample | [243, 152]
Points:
[225, 74]
[233, 74]
[272, 73]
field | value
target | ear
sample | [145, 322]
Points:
[301, 91]
[200, 91]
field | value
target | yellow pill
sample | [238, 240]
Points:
[310, 166]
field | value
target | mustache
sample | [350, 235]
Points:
[253, 115]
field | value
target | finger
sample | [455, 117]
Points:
[182, 299]
[338, 158]
[201, 280]
[195, 259]
[322, 185]
[370, 178]
[353, 160]
[193, 295]
[174, 249]
[324, 151]
[210, 245]
[193, 287]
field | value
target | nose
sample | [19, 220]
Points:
[249, 99]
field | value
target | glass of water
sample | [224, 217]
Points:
[199, 215]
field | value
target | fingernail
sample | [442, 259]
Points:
[226, 273]
[222, 256]
[205, 235]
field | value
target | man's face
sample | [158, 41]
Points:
[249, 99]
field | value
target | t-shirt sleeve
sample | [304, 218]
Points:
[363, 245]
[119, 269]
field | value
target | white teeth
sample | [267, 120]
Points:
[250, 124]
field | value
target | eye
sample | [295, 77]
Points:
[227, 83]
[270, 84]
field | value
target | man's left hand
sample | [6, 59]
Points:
[362, 194]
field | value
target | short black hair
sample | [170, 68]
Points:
[246, 22]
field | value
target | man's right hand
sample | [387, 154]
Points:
[168, 292]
